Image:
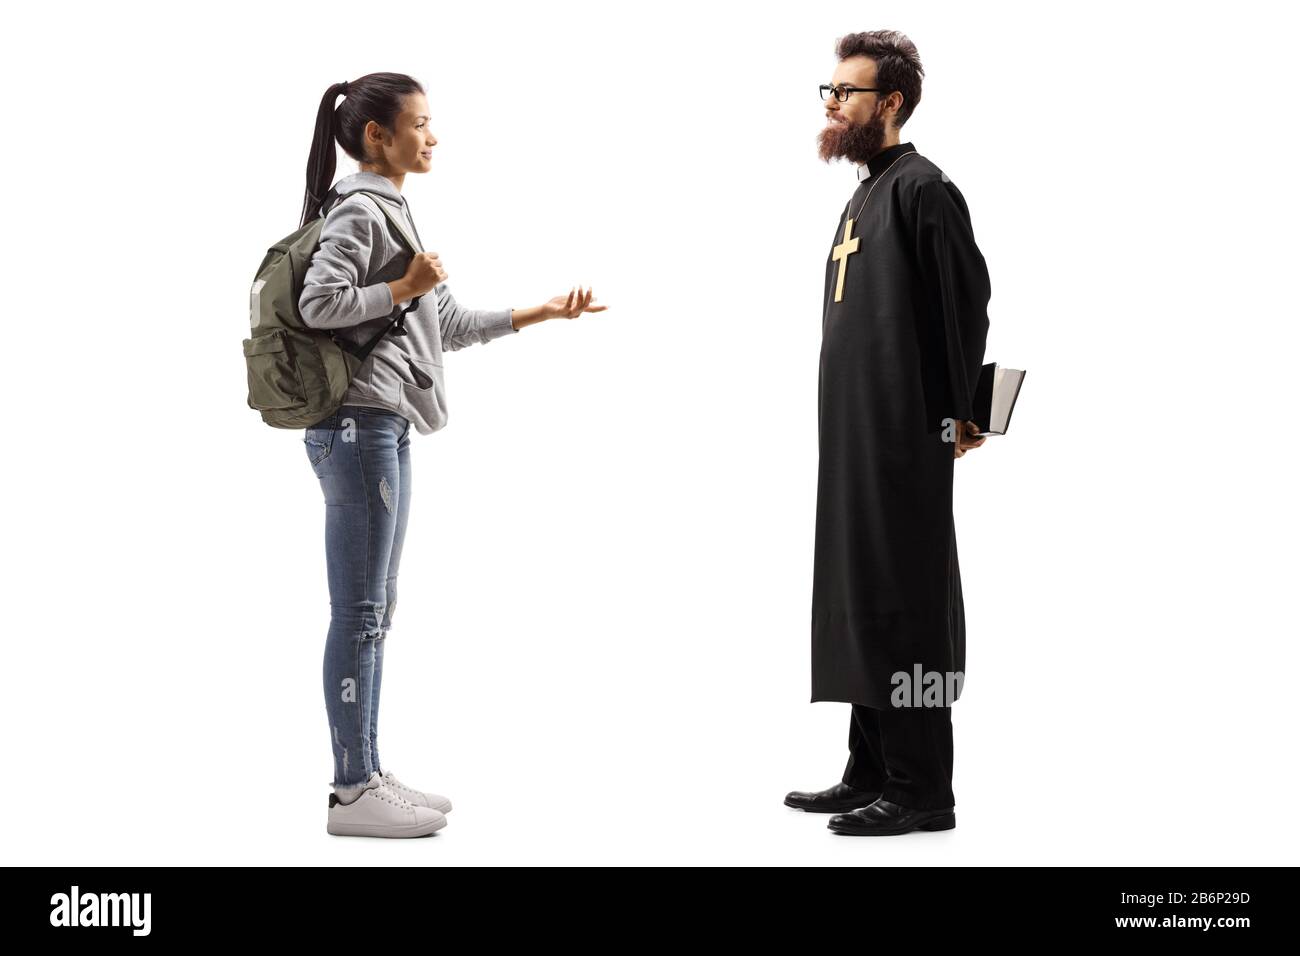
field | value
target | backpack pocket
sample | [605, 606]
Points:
[274, 380]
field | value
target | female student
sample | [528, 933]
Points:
[361, 273]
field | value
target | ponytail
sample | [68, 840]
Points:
[375, 96]
[322, 159]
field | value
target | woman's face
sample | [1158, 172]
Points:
[409, 149]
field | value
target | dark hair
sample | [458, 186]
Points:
[375, 96]
[898, 65]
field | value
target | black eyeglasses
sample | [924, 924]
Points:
[842, 92]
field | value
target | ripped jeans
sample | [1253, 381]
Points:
[362, 457]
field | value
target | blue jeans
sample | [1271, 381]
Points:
[362, 457]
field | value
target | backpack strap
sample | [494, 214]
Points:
[399, 324]
[397, 321]
[397, 222]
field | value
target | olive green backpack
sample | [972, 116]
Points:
[298, 375]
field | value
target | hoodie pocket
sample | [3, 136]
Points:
[422, 392]
[422, 372]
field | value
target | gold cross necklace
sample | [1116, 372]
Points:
[849, 244]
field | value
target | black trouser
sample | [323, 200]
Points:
[904, 753]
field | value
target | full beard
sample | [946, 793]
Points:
[856, 142]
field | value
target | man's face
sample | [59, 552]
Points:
[855, 129]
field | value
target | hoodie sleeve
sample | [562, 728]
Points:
[352, 245]
[461, 326]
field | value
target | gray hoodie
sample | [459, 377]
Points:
[346, 288]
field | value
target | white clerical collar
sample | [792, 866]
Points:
[884, 159]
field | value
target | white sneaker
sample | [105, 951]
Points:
[418, 797]
[381, 812]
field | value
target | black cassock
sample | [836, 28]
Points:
[900, 352]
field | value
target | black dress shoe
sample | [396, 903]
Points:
[831, 800]
[883, 818]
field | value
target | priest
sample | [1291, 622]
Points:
[903, 330]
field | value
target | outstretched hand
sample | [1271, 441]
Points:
[572, 305]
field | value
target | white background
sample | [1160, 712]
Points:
[601, 653]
